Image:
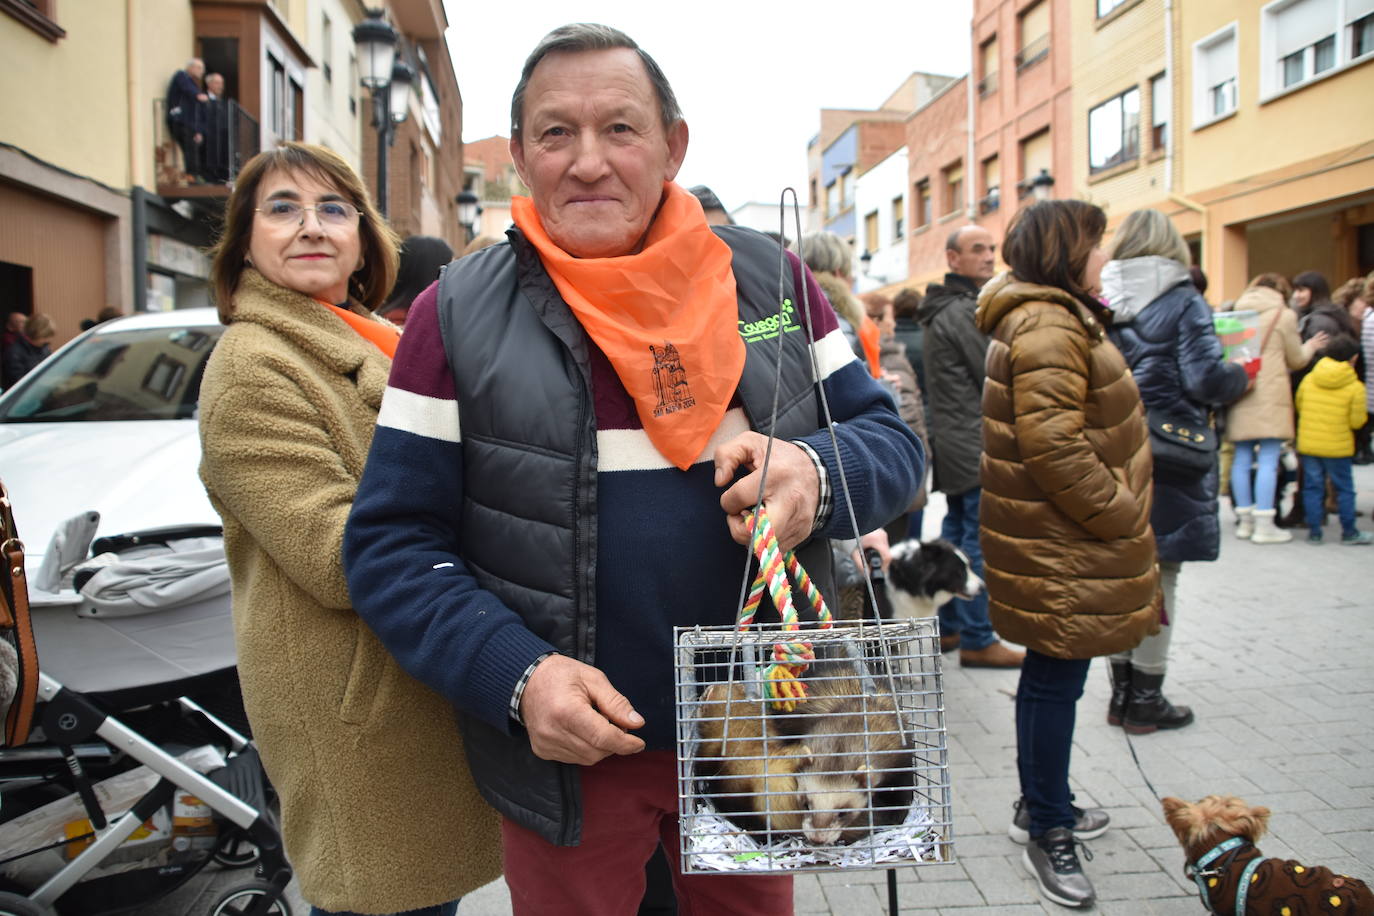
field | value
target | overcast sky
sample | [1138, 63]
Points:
[751, 76]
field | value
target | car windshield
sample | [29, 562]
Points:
[148, 374]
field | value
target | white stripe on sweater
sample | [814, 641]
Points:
[833, 353]
[433, 418]
[632, 450]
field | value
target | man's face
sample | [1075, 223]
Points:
[196, 68]
[976, 257]
[593, 150]
[215, 83]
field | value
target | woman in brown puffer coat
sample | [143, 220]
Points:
[1065, 515]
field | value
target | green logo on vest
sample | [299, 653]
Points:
[767, 328]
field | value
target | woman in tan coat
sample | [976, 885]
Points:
[1263, 417]
[379, 812]
[1065, 514]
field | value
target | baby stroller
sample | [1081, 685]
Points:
[129, 784]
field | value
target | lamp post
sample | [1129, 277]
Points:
[468, 209]
[388, 79]
[1040, 185]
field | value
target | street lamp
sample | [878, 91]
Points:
[467, 212]
[388, 79]
[1040, 185]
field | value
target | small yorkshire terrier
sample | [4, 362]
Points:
[1218, 835]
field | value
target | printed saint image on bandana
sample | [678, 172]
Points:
[670, 380]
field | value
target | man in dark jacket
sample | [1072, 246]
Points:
[954, 353]
[184, 96]
[563, 460]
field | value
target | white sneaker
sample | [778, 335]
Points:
[1266, 532]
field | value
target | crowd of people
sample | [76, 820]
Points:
[512, 503]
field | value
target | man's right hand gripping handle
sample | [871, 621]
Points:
[574, 715]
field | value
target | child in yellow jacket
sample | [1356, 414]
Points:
[1331, 406]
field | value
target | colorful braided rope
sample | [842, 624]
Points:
[782, 678]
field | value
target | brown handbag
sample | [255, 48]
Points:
[16, 627]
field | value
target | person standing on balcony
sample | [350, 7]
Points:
[213, 125]
[954, 354]
[184, 94]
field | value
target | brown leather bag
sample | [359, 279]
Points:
[16, 627]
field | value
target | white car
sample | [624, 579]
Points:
[108, 423]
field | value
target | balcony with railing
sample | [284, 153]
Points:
[200, 153]
[987, 85]
[1034, 52]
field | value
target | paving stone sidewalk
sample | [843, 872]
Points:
[1274, 650]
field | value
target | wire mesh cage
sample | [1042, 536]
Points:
[855, 775]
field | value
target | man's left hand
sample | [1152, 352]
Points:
[793, 488]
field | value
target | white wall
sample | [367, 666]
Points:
[328, 120]
[875, 190]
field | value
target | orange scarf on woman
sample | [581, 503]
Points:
[667, 318]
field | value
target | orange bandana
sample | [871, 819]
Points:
[667, 318]
[383, 336]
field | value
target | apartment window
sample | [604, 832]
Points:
[954, 187]
[39, 15]
[987, 56]
[815, 195]
[327, 49]
[921, 197]
[1105, 7]
[353, 85]
[898, 218]
[871, 231]
[277, 78]
[992, 185]
[1037, 155]
[847, 189]
[1361, 35]
[1161, 110]
[1034, 27]
[1214, 76]
[1114, 131]
[832, 200]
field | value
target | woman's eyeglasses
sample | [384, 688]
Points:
[329, 213]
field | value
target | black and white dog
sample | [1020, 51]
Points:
[925, 574]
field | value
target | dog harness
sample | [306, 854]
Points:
[1202, 875]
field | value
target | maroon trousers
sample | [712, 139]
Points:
[629, 806]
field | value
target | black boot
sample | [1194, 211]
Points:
[1119, 672]
[1147, 709]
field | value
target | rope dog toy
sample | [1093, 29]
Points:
[781, 679]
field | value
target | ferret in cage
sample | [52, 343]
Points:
[832, 770]
[856, 771]
[752, 779]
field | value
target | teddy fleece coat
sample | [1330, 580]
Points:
[379, 811]
[1065, 513]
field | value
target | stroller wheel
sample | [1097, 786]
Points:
[15, 905]
[238, 901]
[236, 850]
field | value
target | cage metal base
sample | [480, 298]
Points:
[856, 776]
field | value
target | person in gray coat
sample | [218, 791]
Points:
[954, 351]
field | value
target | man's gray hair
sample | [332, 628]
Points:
[952, 240]
[588, 36]
[826, 251]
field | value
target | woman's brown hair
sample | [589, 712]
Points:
[1277, 282]
[370, 284]
[1049, 243]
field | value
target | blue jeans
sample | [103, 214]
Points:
[443, 909]
[1315, 472]
[1046, 701]
[1266, 474]
[967, 617]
